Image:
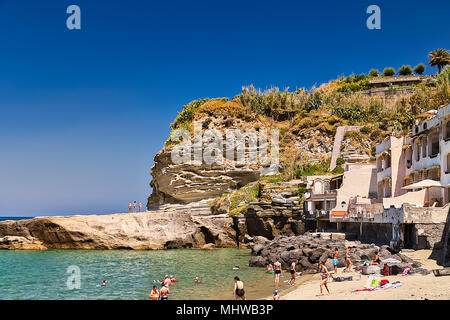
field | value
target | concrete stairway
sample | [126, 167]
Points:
[338, 137]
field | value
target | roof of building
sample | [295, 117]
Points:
[392, 79]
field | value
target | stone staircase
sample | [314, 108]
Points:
[338, 137]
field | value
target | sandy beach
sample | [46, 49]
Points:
[414, 287]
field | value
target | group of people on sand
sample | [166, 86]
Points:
[132, 206]
[322, 270]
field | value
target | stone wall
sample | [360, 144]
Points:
[378, 233]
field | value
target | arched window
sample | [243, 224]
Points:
[318, 187]
[326, 186]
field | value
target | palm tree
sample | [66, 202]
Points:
[439, 58]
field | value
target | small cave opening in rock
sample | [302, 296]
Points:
[209, 238]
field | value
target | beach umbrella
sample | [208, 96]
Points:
[427, 184]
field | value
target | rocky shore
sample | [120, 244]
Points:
[310, 248]
[167, 228]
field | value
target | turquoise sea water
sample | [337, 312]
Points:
[130, 274]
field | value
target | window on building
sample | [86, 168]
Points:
[447, 130]
[433, 144]
[448, 163]
[408, 157]
[417, 151]
[388, 161]
[318, 187]
[424, 147]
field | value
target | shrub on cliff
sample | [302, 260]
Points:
[374, 73]
[186, 115]
[387, 72]
[405, 70]
[419, 69]
[444, 76]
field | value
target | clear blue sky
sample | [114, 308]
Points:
[83, 112]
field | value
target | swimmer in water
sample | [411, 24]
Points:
[105, 282]
[197, 280]
[164, 293]
[167, 281]
[154, 295]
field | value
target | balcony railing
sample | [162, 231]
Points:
[314, 214]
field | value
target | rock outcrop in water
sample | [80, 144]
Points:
[160, 229]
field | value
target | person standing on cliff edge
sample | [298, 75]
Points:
[140, 206]
[134, 206]
[129, 207]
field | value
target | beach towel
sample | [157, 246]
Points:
[386, 286]
[405, 272]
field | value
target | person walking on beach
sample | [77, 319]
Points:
[164, 293]
[324, 273]
[335, 260]
[129, 207]
[347, 260]
[293, 274]
[238, 291]
[277, 266]
[134, 206]
[140, 206]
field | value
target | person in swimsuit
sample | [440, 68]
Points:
[347, 260]
[154, 295]
[140, 206]
[376, 261]
[269, 267]
[134, 206]
[164, 293]
[324, 282]
[105, 283]
[197, 280]
[129, 207]
[276, 296]
[238, 291]
[277, 266]
[335, 260]
[293, 274]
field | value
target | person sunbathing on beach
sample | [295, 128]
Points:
[376, 260]
[324, 273]
[269, 268]
[277, 266]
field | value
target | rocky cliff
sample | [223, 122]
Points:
[160, 229]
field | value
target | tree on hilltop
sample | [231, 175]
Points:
[439, 58]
